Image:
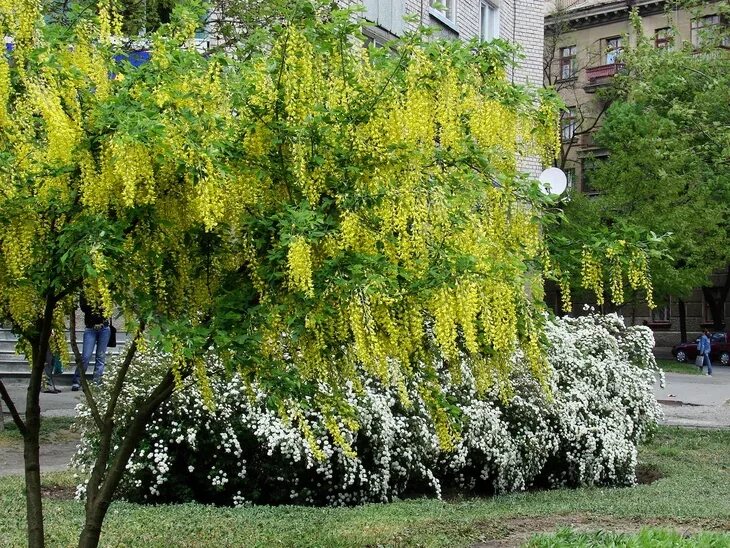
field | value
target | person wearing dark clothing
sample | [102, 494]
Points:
[96, 334]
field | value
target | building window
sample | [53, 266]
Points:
[567, 63]
[612, 50]
[568, 124]
[663, 38]
[706, 311]
[662, 313]
[447, 8]
[570, 176]
[386, 14]
[702, 27]
[489, 22]
[588, 169]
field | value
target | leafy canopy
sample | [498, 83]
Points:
[309, 210]
[668, 131]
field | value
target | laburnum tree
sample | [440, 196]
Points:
[306, 211]
[94, 197]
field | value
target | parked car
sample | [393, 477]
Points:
[719, 349]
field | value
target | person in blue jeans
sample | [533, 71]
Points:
[703, 349]
[96, 334]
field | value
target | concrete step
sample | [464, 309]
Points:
[13, 365]
[9, 345]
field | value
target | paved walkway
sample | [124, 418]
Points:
[696, 400]
[52, 405]
[54, 456]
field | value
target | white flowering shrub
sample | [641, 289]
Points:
[585, 431]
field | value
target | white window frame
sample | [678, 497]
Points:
[611, 55]
[570, 177]
[488, 30]
[568, 124]
[663, 313]
[447, 11]
[569, 61]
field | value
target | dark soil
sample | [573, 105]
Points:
[58, 492]
[647, 474]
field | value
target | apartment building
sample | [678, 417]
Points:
[583, 44]
[518, 21]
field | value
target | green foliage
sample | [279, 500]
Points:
[304, 207]
[53, 429]
[673, 366]
[668, 131]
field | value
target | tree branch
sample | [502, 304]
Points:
[122, 374]
[13, 411]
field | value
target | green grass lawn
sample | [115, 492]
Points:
[692, 494]
[647, 538]
[674, 366]
[53, 430]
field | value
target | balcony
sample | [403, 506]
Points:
[601, 76]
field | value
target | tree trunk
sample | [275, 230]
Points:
[682, 320]
[104, 480]
[31, 442]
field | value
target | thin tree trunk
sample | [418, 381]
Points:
[104, 481]
[31, 442]
[682, 320]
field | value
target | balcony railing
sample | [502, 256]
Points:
[601, 75]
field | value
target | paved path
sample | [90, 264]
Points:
[52, 405]
[696, 400]
[54, 456]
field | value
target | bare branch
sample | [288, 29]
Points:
[13, 411]
[122, 374]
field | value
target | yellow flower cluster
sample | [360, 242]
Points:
[299, 259]
[638, 274]
[17, 245]
[615, 275]
[592, 274]
[4, 90]
[61, 131]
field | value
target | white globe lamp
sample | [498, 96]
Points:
[553, 181]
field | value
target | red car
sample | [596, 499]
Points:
[719, 349]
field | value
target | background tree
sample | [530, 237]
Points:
[668, 172]
[79, 210]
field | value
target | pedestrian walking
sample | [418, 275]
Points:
[703, 349]
[53, 367]
[96, 335]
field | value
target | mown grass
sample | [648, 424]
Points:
[53, 430]
[673, 366]
[647, 538]
[694, 492]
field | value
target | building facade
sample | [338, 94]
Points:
[517, 21]
[583, 44]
